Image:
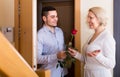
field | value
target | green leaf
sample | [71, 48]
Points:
[61, 65]
[57, 65]
[59, 61]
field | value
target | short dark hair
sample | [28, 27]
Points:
[46, 9]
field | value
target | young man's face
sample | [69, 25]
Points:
[51, 19]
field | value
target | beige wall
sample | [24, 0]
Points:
[85, 5]
[6, 12]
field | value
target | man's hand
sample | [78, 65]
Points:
[61, 55]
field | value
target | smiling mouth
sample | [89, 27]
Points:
[90, 24]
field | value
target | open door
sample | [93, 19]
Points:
[25, 29]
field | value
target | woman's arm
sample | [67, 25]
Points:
[107, 57]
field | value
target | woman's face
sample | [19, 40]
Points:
[92, 21]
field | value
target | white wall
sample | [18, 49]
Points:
[85, 5]
[6, 12]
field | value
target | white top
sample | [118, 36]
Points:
[100, 65]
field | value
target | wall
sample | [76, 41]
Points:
[85, 5]
[6, 13]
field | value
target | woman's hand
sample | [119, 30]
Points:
[72, 52]
[94, 53]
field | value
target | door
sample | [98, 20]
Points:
[25, 29]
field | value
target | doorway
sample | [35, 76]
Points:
[65, 9]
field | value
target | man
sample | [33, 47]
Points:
[50, 42]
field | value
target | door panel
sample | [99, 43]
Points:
[23, 29]
[26, 29]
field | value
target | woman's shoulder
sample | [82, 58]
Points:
[108, 36]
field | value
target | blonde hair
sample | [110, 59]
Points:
[100, 13]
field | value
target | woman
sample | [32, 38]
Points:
[99, 57]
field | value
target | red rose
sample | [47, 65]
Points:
[67, 62]
[74, 31]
